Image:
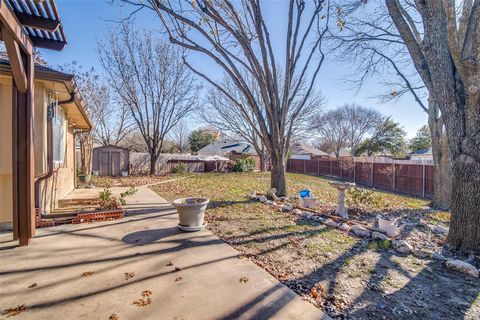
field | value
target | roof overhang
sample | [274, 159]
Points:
[76, 109]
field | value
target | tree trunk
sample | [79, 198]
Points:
[465, 221]
[263, 162]
[442, 181]
[153, 164]
[278, 175]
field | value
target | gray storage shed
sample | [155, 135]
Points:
[110, 161]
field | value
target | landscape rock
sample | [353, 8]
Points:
[319, 219]
[344, 227]
[440, 229]
[463, 267]
[360, 231]
[402, 246]
[308, 215]
[438, 256]
[330, 223]
[287, 208]
[379, 236]
[272, 194]
[262, 199]
[297, 211]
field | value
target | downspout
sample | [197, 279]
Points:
[49, 174]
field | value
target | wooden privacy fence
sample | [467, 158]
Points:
[411, 179]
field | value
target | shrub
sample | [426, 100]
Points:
[109, 202]
[179, 168]
[358, 197]
[244, 165]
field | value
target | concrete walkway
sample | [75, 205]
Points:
[190, 275]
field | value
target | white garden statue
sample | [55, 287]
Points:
[341, 187]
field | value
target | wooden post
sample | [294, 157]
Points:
[341, 170]
[354, 171]
[394, 177]
[423, 181]
[304, 165]
[23, 157]
[373, 174]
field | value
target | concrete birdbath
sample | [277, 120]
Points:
[341, 187]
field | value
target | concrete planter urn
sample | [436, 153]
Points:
[191, 212]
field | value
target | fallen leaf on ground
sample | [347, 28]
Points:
[33, 285]
[178, 269]
[243, 279]
[11, 312]
[145, 300]
[88, 273]
[169, 264]
[113, 316]
[129, 275]
[178, 279]
[146, 293]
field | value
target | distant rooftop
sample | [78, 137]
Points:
[225, 147]
[300, 148]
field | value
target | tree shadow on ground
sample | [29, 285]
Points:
[431, 292]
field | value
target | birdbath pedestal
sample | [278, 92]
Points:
[341, 187]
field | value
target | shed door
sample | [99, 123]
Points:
[115, 163]
[104, 164]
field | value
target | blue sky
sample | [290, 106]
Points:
[87, 21]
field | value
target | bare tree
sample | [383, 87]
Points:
[224, 115]
[150, 78]
[111, 122]
[369, 39]
[180, 135]
[444, 48]
[236, 37]
[360, 121]
[332, 129]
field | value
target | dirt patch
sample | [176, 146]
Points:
[347, 277]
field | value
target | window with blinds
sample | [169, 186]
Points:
[59, 129]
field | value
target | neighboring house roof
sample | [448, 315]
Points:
[300, 148]
[227, 147]
[424, 152]
[344, 152]
[43, 73]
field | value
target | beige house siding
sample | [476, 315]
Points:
[62, 181]
[6, 196]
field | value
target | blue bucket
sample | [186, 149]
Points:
[306, 193]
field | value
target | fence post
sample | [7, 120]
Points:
[354, 172]
[304, 166]
[394, 177]
[423, 181]
[372, 172]
[341, 170]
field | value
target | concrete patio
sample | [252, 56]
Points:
[190, 275]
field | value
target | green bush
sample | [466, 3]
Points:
[179, 168]
[244, 165]
[358, 197]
